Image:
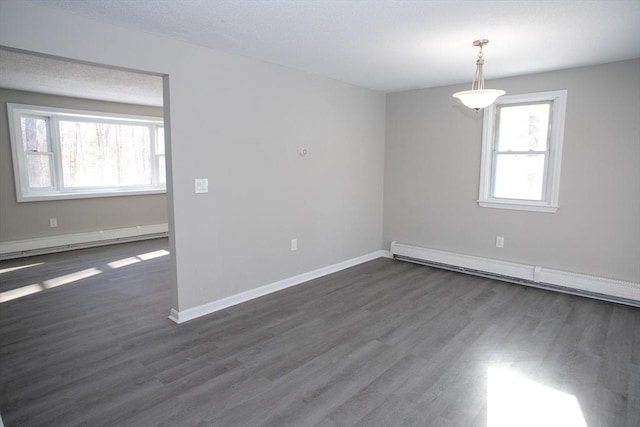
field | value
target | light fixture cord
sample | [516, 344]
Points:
[478, 78]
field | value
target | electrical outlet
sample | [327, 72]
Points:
[499, 242]
[294, 244]
[53, 222]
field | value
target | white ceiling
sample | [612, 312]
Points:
[42, 74]
[390, 45]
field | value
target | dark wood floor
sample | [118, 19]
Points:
[385, 343]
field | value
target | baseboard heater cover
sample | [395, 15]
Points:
[67, 242]
[606, 289]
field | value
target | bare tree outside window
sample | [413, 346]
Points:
[35, 142]
[105, 155]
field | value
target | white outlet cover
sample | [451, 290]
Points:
[202, 185]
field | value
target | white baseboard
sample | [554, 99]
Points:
[212, 307]
[65, 242]
[386, 254]
[598, 287]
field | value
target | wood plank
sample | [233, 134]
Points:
[382, 343]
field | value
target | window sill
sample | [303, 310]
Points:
[518, 205]
[88, 195]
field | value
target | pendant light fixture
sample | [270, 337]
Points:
[479, 97]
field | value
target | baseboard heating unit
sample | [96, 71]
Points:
[601, 288]
[67, 242]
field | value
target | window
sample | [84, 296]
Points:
[63, 154]
[521, 152]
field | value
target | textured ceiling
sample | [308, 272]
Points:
[385, 45]
[390, 45]
[57, 77]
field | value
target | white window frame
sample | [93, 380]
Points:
[553, 158]
[52, 115]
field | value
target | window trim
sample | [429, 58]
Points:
[551, 183]
[25, 193]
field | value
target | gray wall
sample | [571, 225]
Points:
[20, 221]
[240, 123]
[433, 165]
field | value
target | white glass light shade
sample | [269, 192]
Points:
[478, 98]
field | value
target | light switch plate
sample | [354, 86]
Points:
[202, 185]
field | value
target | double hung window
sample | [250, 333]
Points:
[522, 151]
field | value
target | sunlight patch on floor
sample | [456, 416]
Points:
[20, 292]
[70, 278]
[23, 291]
[124, 262]
[20, 267]
[136, 259]
[154, 254]
[515, 401]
